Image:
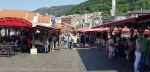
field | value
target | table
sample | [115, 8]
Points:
[9, 49]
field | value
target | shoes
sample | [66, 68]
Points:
[136, 70]
[109, 58]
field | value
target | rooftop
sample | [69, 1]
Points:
[141, 11]
[30, 16]
[14, 13]
[43, 19]
[122, 14]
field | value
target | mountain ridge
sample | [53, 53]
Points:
[55, 10]
[89, 6]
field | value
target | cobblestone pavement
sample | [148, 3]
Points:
[65, 60]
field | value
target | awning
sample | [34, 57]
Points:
[126, 30]
[143, 17]
[14, 22]
[45, 27]
[121, 22]
[97, 30]
[126, 21]
[82, 29]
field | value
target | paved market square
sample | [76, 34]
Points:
[65, 60]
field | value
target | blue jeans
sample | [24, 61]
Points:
[137, 60]
[149, 58]
[63, 43]
[143, 59]
[54, 44]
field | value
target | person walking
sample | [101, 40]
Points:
[54, 40]
[46, 43]
[69, 41]
[149, 54]
[144, 50]
[74, 38]
[130, 48]
[137, 55]
[117, 50]
[60, 41]
[51, 43]
[63, 40]
[111, 47]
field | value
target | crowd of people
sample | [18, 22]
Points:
[136, 48]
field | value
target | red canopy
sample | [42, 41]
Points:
[126, 30]
[14, 22]
[82, 29]
[46, 27]
[117, 22]
[125, 21]
[143, 17]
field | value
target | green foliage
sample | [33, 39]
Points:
[105, 6]
[90, 6]
[55, 10]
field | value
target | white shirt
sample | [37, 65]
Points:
[74, 39]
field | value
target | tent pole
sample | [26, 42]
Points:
[33, 50]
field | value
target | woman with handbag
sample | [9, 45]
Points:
[111, 47]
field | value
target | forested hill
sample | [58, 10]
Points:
[55, 10]
[106, 5]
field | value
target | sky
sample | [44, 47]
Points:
[32, 5]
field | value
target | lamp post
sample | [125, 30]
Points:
[113, 10]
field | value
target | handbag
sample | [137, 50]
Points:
[112, 45]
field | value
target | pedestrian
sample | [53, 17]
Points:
[51, 43]
[54, 40]
[127, 50]
[144, 50]
[74, 38]
[111, 47]
[69, 41]
[117, 50]
[46, 43]
[137, 55]
[149, 54]
[60, 41]
[63, 39]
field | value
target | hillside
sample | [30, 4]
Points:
[105, 6]
[55, 10]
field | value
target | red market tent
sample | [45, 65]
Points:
[45, 27]
[135, 20]
[101, 30]
[121, 22]
[126, 30]
[14, 22]
[82, 29]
